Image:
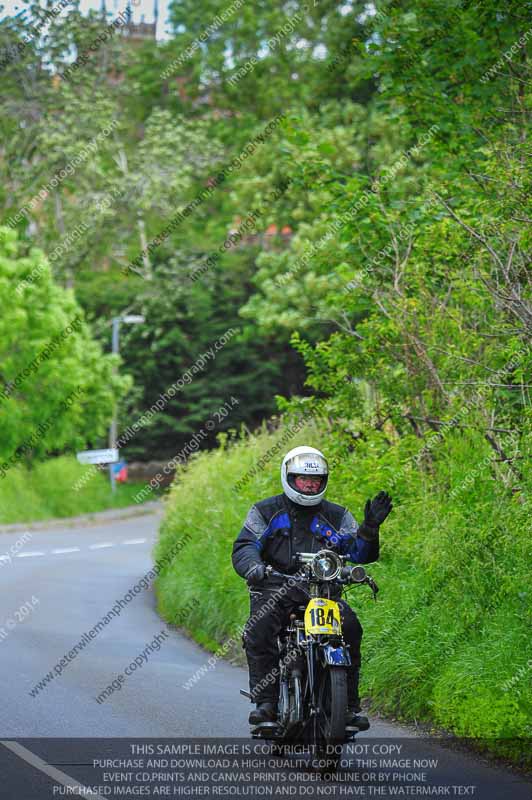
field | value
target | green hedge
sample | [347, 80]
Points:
[47, 491]
[451, 628]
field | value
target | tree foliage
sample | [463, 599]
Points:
[59, 388]
[399, 177]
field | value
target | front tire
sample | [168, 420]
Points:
[332, 705]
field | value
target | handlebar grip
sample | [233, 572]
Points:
[273, 573]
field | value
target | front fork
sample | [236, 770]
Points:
[312, 676]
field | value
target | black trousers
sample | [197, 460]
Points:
[269, 611]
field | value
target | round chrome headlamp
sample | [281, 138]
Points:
[326, 565]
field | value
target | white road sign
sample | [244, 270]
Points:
[108, 456]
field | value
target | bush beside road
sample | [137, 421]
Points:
[446, 642]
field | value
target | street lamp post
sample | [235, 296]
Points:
[129, 319]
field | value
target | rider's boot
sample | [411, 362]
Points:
[355, 720]
[265, 712]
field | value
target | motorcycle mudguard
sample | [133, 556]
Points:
[322, 616]
[335, 656]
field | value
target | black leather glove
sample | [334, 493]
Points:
[377, 510]
[256, 574]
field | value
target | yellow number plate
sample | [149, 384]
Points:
[323, 616]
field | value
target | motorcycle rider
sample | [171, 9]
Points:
[275, 529]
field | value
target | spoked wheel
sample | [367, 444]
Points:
[330, 720]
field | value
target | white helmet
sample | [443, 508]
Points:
[304, 461]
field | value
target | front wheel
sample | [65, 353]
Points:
[332, 699]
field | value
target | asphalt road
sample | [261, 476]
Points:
[56, 586]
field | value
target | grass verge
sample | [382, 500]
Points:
[47, 491]
[448, 642]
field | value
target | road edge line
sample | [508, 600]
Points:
[52, 772]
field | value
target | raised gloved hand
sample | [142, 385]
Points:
[377, 510]
[255, 574]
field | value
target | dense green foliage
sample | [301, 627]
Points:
[58, 386]
[378, 241]
[45, 492]
[404, 156]
[95, 165]
[446, 643]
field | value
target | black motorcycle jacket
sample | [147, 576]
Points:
[276, 529]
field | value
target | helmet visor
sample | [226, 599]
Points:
[307, 484]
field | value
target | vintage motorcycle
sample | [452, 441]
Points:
[313, 659]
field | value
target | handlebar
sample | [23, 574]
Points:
[273, 573]
[344, 581]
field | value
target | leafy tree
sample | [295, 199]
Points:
[267, 56]
[58, 389]
[432, 296]
[185, 317]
